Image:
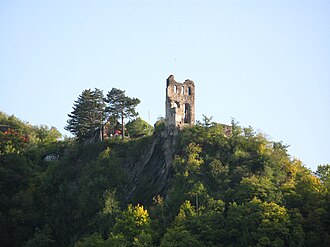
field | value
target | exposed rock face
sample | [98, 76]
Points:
[151, 173]
[180, 104]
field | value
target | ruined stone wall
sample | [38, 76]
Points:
[180, 104]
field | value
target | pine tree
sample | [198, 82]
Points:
[86, 119]
[120, 106]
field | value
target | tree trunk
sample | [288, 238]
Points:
[122, 126]
[197, 207]
[101, 132]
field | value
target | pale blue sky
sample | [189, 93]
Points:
[264, 63]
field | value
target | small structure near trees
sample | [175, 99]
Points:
[51, 157]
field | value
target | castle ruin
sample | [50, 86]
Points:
[180, 104]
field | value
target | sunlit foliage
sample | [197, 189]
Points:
[237, 189]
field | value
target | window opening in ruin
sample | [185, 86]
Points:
[187, 113]
[182, 89]
[189, 90]
[175, 104]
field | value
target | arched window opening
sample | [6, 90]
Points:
[189, 90]
[175, 104]
[175, 88]
[187, 113]
[182, 89]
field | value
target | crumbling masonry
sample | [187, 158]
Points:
[180, 104]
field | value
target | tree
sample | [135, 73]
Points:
[132, 227]
[259, 187]
[33, 134]
[179, 237]
[159, 126]
[87, 117]
[258, 223]
[138, 127]
[192, 161]
[45, 134]
[12, 142]
[42, 237]
[94, 240]
[121, 106]
[323, 172]
[207, 121]
[197, 190]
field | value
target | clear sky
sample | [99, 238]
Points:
[264, 63]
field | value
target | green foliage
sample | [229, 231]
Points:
[88, 115]
[44, 134]
[12, 142]
[257, 187]
[323, 172]
[121, 106]
[94, 240]
[132, 226]
[237, 189]
[159, 125]
[138, 127]
[16, 174]
[42, 237]
[191, 162]
[179, 237]
[218, 175]
[245, 167]
[259, 224]
[207, 121]
[17, 136]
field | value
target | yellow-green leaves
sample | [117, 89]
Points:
[191, 162]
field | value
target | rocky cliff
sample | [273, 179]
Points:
[149, 173]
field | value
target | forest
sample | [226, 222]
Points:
[240, 189]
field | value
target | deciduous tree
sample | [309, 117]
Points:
[138, 127]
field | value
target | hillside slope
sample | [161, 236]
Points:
[201, 188]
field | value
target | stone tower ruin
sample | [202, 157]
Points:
[180, 104]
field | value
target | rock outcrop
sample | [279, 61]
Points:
[150, 173]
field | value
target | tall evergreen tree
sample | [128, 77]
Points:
[120, 106]
[86, 119]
